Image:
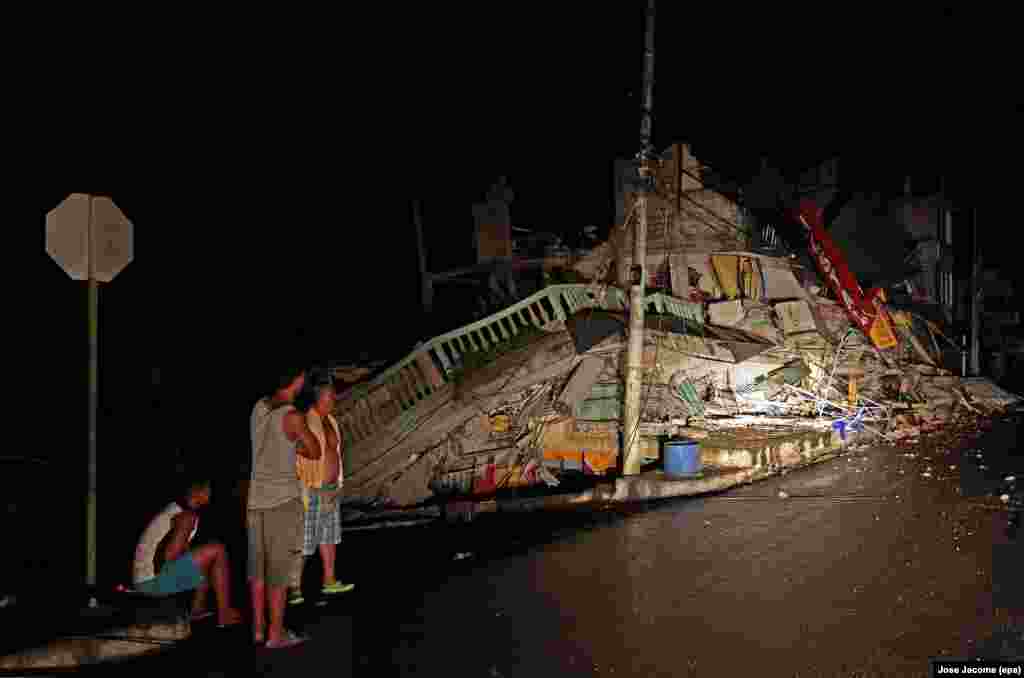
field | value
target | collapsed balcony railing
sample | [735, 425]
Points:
[431, 365]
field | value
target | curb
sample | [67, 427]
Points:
[76, 650]
[639, 489]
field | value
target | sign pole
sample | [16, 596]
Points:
[90, 508]
[91, 239]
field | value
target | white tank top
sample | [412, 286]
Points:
[154, 533]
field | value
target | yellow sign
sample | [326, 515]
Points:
[881, 332]
[727, 271]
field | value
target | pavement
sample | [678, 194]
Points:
[869, 564]
[48, 628]
[204, 651]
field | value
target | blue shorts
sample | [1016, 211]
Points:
[176, 576]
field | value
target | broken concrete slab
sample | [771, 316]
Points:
[988, 393]
[726, 313]
[795, 317]
[758, 320]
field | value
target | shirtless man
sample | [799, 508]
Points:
[164, 565]
[321, 481]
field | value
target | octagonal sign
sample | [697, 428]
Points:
[68, 230]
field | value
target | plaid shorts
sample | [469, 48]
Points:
[322, 527]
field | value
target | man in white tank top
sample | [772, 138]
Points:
[164, 564]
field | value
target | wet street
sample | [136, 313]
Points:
[865, 565]
[870, 562]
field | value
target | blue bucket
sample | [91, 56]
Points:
[682, 458]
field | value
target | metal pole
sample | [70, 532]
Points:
[426, 282]
[634, 356]
[90, 509]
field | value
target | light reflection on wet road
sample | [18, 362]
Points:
[865, 577]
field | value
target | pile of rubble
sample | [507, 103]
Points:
[766, 350]
[806, 342]
[743, 344]
[821, 366]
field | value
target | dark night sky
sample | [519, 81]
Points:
[268, 164]
[269, 182]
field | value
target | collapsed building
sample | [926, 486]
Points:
[737, 343]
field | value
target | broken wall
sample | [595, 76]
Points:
[682, 216]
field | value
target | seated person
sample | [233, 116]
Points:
[164, 565]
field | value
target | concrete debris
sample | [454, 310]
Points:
[779, 351]
[726, 313]
[795, 317]
[758, 320]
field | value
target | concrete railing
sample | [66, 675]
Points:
[370, 406]
[677, 307]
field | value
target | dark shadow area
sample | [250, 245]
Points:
[995, 455]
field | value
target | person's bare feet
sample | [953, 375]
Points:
[287, 639]
[229, 617]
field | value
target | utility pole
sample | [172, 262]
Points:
[975, 295]
[426, 282]
[634, 357]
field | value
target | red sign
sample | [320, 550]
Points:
[864, 309]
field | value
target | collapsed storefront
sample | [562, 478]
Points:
[737, 344]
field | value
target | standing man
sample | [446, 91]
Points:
[322, 481]
[274, 514]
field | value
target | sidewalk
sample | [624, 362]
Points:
[51, 631]
[137, 636]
